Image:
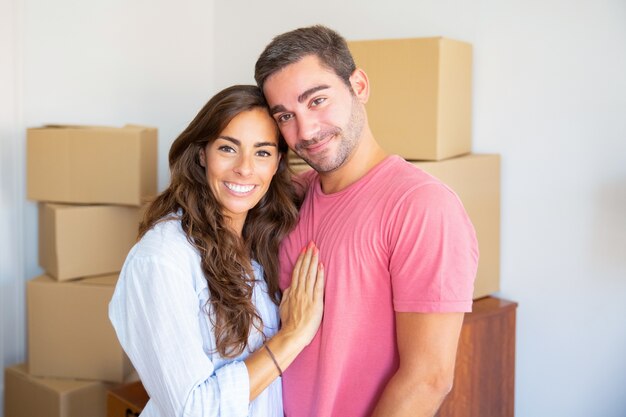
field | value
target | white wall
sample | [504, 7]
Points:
[11, 195]
[549, 96]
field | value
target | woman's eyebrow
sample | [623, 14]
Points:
[238, 142]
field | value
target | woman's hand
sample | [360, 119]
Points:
[302, 305]
[301, 314]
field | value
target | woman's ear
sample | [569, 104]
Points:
[202, 157]
[360, 85]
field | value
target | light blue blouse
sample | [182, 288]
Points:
[159, 311]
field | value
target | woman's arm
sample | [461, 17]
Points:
[155, 313]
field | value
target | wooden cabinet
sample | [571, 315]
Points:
[126, 400]
[484, 380]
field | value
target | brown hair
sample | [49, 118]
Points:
[288, 48]
[225, 258]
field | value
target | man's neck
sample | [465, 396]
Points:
[366, 156]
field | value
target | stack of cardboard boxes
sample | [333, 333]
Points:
[91, 183]
[420, 108]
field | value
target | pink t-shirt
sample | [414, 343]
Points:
[397, 240]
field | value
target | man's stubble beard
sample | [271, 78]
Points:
[349, 139]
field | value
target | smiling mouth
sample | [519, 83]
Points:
[238, 188]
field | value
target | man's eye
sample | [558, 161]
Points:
[284, 117]
[318, 101]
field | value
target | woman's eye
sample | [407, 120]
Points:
[264, 153]
[225, 148]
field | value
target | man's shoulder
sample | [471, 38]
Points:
[402, 176]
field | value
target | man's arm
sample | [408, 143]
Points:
[427, 345]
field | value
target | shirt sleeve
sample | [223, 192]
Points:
[154, 311]
[434, 252]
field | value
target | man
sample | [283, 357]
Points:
[399, 251]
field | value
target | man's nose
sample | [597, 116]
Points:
[308, 128]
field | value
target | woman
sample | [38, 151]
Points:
[195, 307]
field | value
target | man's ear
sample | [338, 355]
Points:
[360, 85]
[202, 157]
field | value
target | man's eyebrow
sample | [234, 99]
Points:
[277, 109]
[280, 108]
[310, 91]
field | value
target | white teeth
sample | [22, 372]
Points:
[239, 188]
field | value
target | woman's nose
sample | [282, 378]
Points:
[244, 166]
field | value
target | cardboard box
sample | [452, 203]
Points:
[29, 396]
[69, 332]
[420, 104]
[476, 180]
[126, 400]
[78, 241]
[92, 165]
[297, 167]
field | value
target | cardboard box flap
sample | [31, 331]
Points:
[57, 385]
[108, 280]
[30, 396]
[139, 127]
[129, 126]
[64, 126]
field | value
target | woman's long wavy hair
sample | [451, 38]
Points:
[225, 257]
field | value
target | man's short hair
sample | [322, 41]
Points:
[290, 47]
